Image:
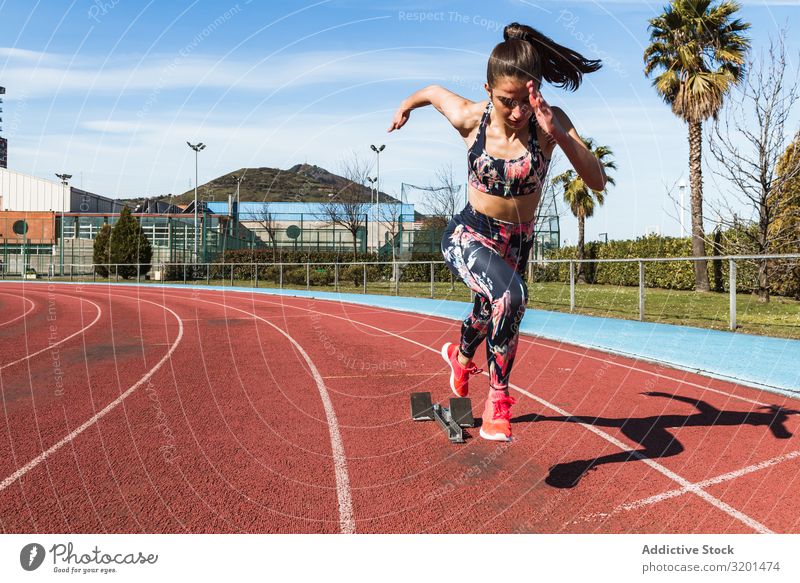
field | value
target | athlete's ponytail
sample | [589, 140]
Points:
[525, 54]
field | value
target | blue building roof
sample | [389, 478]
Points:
[287, 211]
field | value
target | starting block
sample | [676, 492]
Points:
[452, 419]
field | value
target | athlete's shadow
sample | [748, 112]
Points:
[651, 433]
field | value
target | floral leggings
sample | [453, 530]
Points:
[490, 257]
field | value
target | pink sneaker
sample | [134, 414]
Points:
[459, 374]
[496, 418]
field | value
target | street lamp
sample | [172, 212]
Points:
[64, 178]
[196, 147]
[372, 182]
[371, 186]
[239, 180]
[682, 189]
[378, 151]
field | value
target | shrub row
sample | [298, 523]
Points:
[679, 275]
[245, 265]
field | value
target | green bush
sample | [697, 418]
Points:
[294, 275]
[128, 246]
[101, 254]
[678, 275]
[352, 274]
[321, 276]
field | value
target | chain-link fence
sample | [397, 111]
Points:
[647, 289]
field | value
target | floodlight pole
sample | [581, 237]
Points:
[196, 147]
[239, 180]
[378, 151]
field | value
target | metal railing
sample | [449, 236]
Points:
[389, 272]
[641, 261]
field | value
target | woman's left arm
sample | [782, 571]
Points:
[559, 127]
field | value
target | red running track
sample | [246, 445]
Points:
[169, 410]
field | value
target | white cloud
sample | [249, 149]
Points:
[22, 54]
[163, 73]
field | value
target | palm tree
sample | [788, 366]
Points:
[701, 51]
[581, 199]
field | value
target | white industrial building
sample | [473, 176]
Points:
[25, 193]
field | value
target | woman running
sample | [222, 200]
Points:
[510, 137]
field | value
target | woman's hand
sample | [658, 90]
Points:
[400, 119]
[544, 114]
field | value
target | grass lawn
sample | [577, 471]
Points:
[780, 317]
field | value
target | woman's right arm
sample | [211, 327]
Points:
[455, 108]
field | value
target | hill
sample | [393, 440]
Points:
[300, 183]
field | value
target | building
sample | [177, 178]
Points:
[3, 141]
[298, 225]
[25, 193]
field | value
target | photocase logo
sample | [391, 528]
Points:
[31, 556]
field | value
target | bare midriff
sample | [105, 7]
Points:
[520, 209]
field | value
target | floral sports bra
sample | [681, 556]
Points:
[508, 178]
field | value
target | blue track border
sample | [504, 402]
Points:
[762, 362]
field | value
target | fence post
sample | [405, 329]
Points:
[208, 274]
[280, 275]
[308, 275]
[336, 277]
[232, 264]
[571, 286]
[641, 291]
[365, 278]
[184, 273]
[137, 273]
[431, 279]
[116, 273]
[732, 292]
[256, 276]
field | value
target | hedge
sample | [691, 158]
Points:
[246, 262]
[679, 275]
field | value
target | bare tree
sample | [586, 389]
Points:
[444, 197]
[752, 169]
[355, 169]
[391, 219]
[267, 219]
[347, 208]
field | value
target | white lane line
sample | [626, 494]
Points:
[54, 344]
[704, 484]
[28, 311]
[346, 522]
[684, 483]
[107, 409]
[645, 371]
[379, 376]
[558, 346]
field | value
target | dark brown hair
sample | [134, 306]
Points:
[525, 54]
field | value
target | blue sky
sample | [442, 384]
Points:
[110, 91]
